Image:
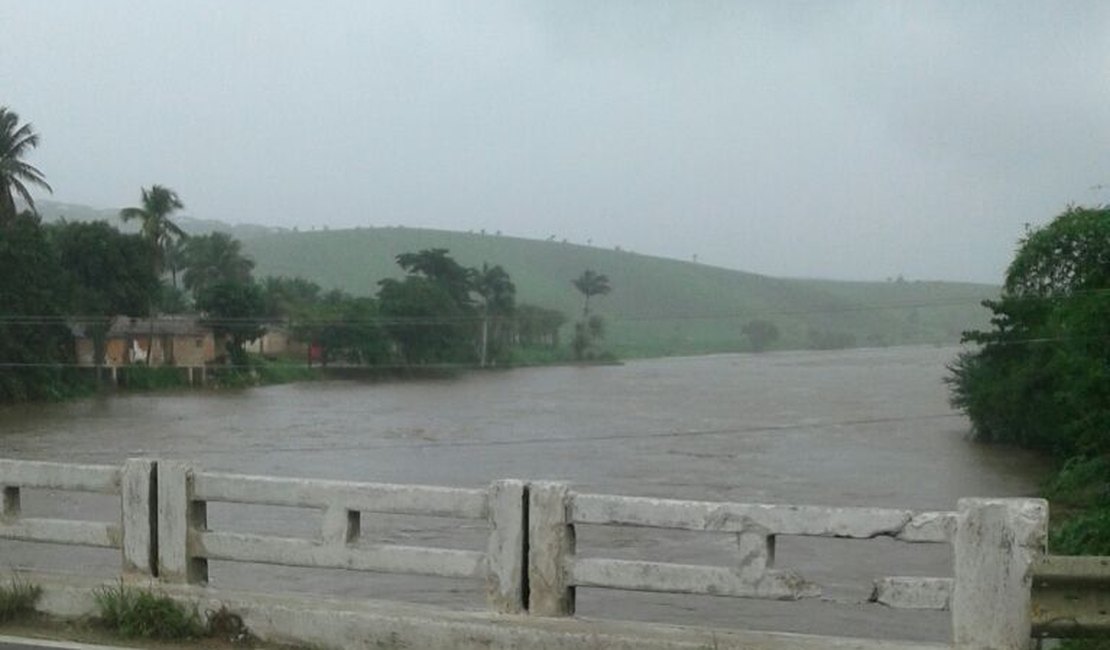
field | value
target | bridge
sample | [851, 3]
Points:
[1004, 589]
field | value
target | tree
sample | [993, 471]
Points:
[426, 322]
[214, 259]
[235, 311]
[439, 267]
[498, 293]
[289, 297]
[175, 258]
[34, 339]
[761, 334]
[1040, 377]
[16, 141]
[158, 203]
[589, 284]
[107, 274]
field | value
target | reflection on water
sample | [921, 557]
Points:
[859, 427]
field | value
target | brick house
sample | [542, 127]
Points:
[179, 340]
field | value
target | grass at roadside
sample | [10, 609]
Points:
[137, 613]
[17, 599]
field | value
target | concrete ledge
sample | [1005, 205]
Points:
[371, 625]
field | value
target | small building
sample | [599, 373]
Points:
[179, 340]
[277, 342]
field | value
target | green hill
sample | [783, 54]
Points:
[658, 306]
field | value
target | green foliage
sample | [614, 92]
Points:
[1041, 376]
[34, 341]
[18, 599]
[137, 613]
[591, 283]
[143, 377]
[440, 268]
[761, 334]
[346, 329]
[214, 259]
[278, 371]
[587, 336]
[1085, 533]
[106, 273]
[155, 226]
[16, 141]
[426, 322]
[1081, 482]
[234, 310]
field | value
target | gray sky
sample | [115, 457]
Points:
[828, 139]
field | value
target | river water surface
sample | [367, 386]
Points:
[859, 427]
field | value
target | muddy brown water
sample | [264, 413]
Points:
[859, 427]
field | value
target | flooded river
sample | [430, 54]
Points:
[857, 427]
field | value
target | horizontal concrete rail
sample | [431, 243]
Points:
[815, 521]
[363, 497]
[186, 543]
[104, 479]
[1071, 596]
[383, 558]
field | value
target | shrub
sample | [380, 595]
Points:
[18, 599]
[137, 613]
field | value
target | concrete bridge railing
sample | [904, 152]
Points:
[996, 542]
[530, 565]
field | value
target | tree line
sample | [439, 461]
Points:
[55, 276]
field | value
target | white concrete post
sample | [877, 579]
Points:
[178, 513]
[505, 555]
[550, 547]
[996, 544]
[138, 517]
[757, 554]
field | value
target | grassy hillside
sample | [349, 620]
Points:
[658, 306]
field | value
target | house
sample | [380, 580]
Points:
[179, 340]
[277, 341]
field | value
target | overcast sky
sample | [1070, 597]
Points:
[851, 140]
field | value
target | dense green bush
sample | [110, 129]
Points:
[1040, 377]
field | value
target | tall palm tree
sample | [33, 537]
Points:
[591, 284]
[157, 229]
[498, 299]
[15, 175]
[154, 216]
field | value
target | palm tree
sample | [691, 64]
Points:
[214, 259]
[154, 216]
[157, 229]
[498, 298]
[16, 142]
[591, 284]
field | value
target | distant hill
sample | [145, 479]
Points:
[54, 211]
[658, 306]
